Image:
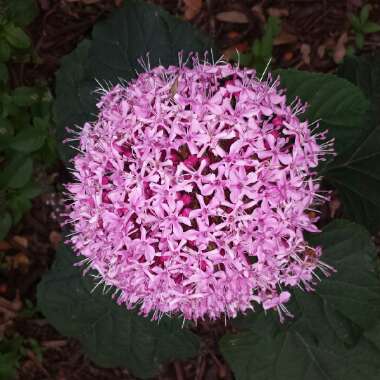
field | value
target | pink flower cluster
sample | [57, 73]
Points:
[194, 188]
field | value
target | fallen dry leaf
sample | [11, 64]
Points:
[3, 288]
[192, 8]
[232, 16]
[15, 305]
[285, 38]
[321, 51]
[85, 2]
[44, 4]
[21, 241]
[278, 12]
[334, 206]
[19, 261]
[340, 48]
[305, 53]
[4, 245]
[233, 34]
[288, 56]
[241, 47]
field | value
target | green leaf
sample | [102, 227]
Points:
[371, 27]
[22, 12]
[5, 51]
[111, 335]
[18, 205]
[364, 72]
[324, 341]
[354, 291]
[356, 24]
[127, 35]
[335, 101]
[364, 13]
[24, 96]
[10, 355]
[271, 30]
[29, 139]
[5, 224]
[16, 37]
[29, 191]
[74, 92]
[356, 174]
[8, 108]
[17, 172]
[3, 73]
[359, 40]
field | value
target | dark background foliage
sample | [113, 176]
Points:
[334, 334]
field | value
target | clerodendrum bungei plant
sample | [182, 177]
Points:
[192, 190]
[195, 195]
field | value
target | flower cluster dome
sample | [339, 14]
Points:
[194, 188]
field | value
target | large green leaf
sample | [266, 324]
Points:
[5, 224]
[351, 120]
[75, 103]
[22, 12]
[364, 72]
[29, 139]
[17, 172]
[335, 101]
[325, 340]
[356, 174]
[111, 335]
[128, 34]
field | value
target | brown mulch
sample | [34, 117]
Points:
[311, 31]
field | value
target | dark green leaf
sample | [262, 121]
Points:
[74, 102]
[356, 24]
[354, 291]
[359, 40]
[5, 224]
[129, 34]
[24, 96]
[22, 12]
[373, 335]
[111, 335]
[5, 51]
[29, 191]
[356, 174]
[16, 37]
[364, 72]
[17, 172]
[3, 73]
[290, 355]
[18, 205]
[336, 102]
[271, 30]
[10, 355]
[371, 27]
[8, 108]
[324, 341]
[364, 13]
[133, 32]
[28, 140]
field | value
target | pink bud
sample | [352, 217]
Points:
[186, 199]
[191, 161]
[186, 212]
[277, 121]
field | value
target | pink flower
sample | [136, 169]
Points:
[196, 202]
